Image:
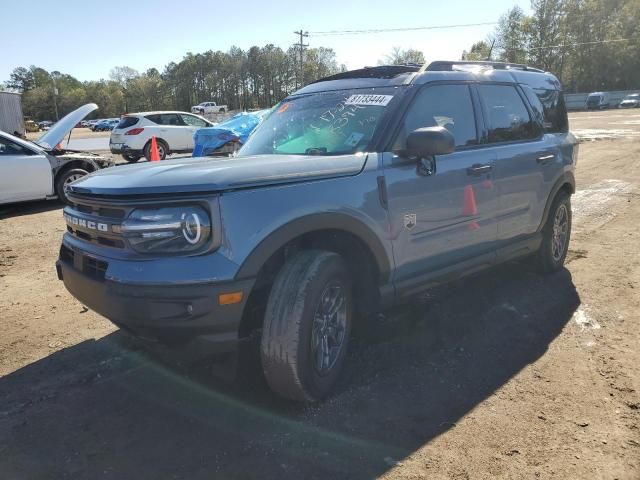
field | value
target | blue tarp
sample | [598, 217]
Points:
[237, 128]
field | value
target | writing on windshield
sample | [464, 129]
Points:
[327, 123]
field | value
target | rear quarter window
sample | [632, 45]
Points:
[551, 104]
[127, 122]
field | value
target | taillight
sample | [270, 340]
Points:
[135, 131]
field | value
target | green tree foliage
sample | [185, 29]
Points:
[397, 56]
[589, 44]
[479, 51]
[256, 78]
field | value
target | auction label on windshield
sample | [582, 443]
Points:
[379, 100]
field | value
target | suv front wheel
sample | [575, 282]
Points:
[307, 325]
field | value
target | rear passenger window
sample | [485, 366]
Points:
[508, 119]
[165, 119]
[447, 106]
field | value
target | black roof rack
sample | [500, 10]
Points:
[382, 71]
[449, 65]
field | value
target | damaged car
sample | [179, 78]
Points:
[42, 169]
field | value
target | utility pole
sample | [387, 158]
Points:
[493, 42]
[301, 46]
[55, 96]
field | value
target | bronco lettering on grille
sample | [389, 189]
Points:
[88, 224]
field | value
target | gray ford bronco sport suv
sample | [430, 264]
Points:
[355, 193]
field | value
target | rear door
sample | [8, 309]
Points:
[524, 156]
[445, 218]
[170, 128]
[25, 174]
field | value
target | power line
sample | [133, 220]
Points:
[399, 29]
[595, 42]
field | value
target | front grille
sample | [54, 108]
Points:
[96, 214]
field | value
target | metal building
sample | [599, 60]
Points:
[11, 118]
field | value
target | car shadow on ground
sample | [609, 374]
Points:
[28, 208]
[106, 409]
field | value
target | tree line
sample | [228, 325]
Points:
[588, 44]
[242, 79]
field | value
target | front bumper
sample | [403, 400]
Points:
[175, 314]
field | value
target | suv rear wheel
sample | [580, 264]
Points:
[163, 150]
[307, 325]
[556, 234]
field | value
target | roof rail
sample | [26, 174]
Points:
[449, 65]
[380, 71]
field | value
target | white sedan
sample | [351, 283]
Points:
[173, 131]
[41, 170]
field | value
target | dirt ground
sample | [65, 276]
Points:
[507, 374]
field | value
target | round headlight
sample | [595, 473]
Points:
[181, 229]
[191, 227]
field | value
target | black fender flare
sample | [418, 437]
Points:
[567, 178]
[307, 224]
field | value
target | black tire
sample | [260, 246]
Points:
[550, 256]
[131, 158]
[289, 327]
[222, 110]
[65, 177]
[163, 149]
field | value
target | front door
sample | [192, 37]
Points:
[24, 173]
[192, 125]
[443, 217]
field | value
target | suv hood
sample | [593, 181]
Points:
[193, 175]
[62, 127]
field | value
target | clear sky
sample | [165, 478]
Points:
[87, 38]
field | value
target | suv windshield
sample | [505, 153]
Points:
[327, 123]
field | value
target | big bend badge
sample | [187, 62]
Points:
[410, 221]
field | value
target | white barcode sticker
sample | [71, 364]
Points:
[379, 100]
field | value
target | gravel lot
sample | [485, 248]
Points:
[507, 374]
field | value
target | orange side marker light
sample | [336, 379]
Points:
[230, 298]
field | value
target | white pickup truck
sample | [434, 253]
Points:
[208, 107]
[43, 169]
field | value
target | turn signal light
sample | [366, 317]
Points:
[230, 298]
[135, 131]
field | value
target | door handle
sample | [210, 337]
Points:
[476, 170]
[545, 159]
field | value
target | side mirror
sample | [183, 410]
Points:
[430, 141]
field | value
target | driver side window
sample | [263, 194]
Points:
[7, 147]
[193, 121]
[447, 106]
